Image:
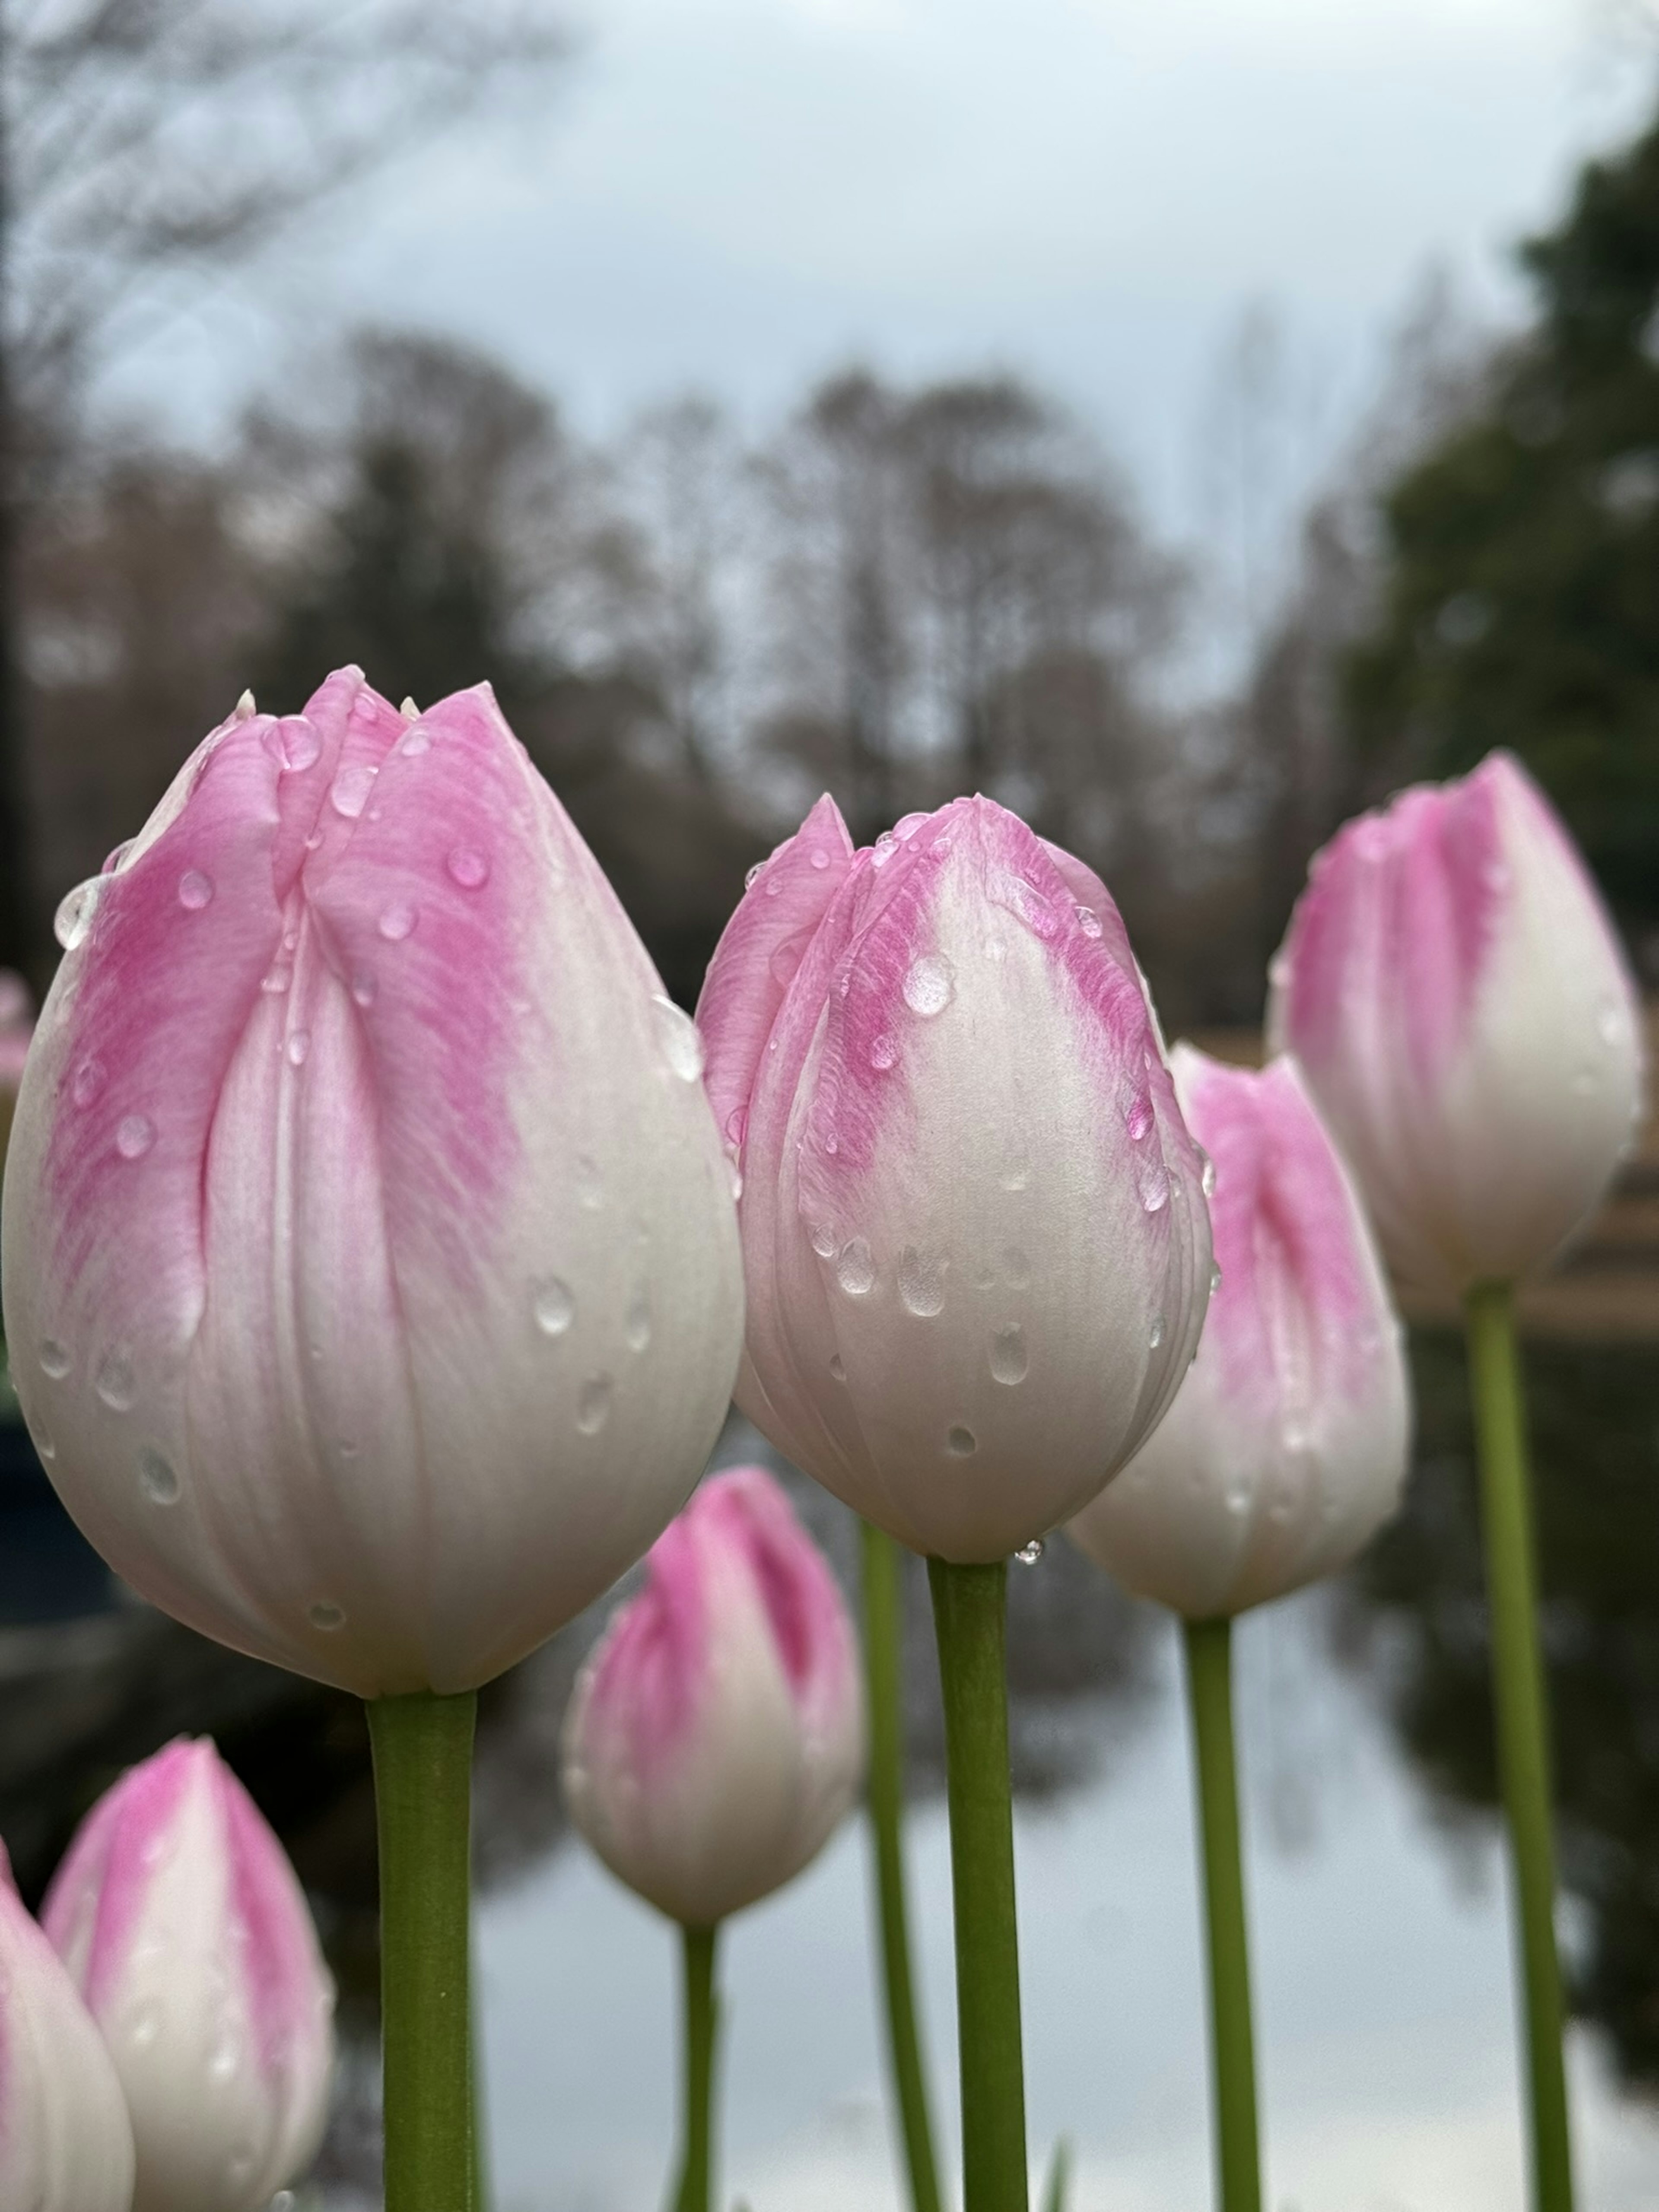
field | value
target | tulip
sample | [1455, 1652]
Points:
[65, 2139]
[1454, 990]
[1285, 1448]
[370, 1275]
[977, 1257]
[715, 1739]
[1284, 1451]
[179, 1919]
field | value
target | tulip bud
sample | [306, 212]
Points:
[1454, 990]
[715, 1739]
[179, 1919]
[65, 2139]
[1285, 1448]
[371, 1280]
[976, 1242]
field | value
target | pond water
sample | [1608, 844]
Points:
[1376, 1879]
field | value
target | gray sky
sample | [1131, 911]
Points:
[744, 193]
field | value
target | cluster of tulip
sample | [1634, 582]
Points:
[376, 1274]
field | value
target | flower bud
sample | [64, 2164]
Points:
[1454, 990]
[371, 1280]
[715, 1739]
[180, 1921]
[975, 1244]
[1285, 1448]
[65, 2139]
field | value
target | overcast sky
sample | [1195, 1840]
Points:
[744, 193]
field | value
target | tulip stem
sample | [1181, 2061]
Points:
[422, 1746]
[702, 2005]
[969, 1610]
[884, 1684]
[1518, 1694]
[1232, 2046]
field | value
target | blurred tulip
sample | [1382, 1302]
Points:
[371, 1280]
[179, 1918]
[975, 1244]
[1285, 1448]
[65, 2139]
[1454, 990]
[716, 1737]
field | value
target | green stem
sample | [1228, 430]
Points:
[1232, 2048]
[422, 1746]
[697, 2188]
[883, 1630]
[969, 1604]
[1523, 1721]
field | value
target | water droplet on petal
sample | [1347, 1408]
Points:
[1029, 1554]
[349, 792]
[43, 1443]
[930, 984]
[468, 866]
[553, 1305]
[883, 849]
[822, 1238]
[397, 921]
[1016, 1174]
[753, 876]
[1138, 1117]
[921, 1282]
[838, 1367]
[1610, 1022]
[855, 1269]
[820, 857]
[195, 891]
[143, 2027]
[75, 912]
[1088, 921]
[884, 1051]
[1010, 1359]
[1155, 1334]
[1215, 1280]
[326, 1615]
[276, 980]
[961, 1442]
[772, 887]
[116, 1383]
[88, 1080]
[116, 853]
[996, 948]
[298, 1046]
[1155, 1188]
[55, 1359]
[363, 987]
[301, 748]
[135, 1136]
[1207, 1180]
[737, 1126]
[636, 1323]
[593, 1406]
[157, 1477]
[679, 1037]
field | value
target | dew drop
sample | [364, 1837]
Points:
[88, 1080]
[158, 1478]
[996, 948]
[277, 981]
[397, 921]
[883, 849]
[930, 984]
[772, 887]
[753, 876]
[838, 1367]
[299, 1045]
[884, 1051]
[921, 1282]
[43, 1443]
[326, 1615]
[820, 858]
[417, 742]
[1029, 1554]
[679, 1037]
[195, 891]
[1088, 921]
[363, 988]
[55, 1359]
[593, 1406]
[1207, 1180]
[855, 1269]
[1155, 1334]
[135, 1136]
[75, 911]
[1138, 1117]
[961, 1443]
[351, 787]
[1010, 1359]
[636, 1323]
[553, 1305]
[143, 2027]
[1610, 1022]
[301, 748]
[222, 2066]
[822, 1238]
[468, 866]
[114, 857]
[115, 1382]
[1155, 1188]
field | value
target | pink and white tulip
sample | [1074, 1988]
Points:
[715, 1739]
[179, 1919]
[976, 1242]
[371, 1279]
[65, 2138]
[1453, 989]
[1286, 1449]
